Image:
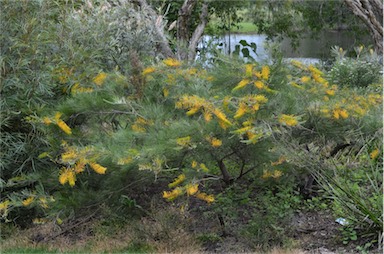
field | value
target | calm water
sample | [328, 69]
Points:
[310, 49]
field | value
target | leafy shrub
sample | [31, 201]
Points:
[361, 71]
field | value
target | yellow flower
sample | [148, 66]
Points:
[4, 205]
[47, 121]
[242, 130]
[43, 202]
[64, 127]
[258, 84]
[68, 156]
[266, 174]
[148, 70]
[295, 85]
[343, 113]
[67, 175]
[257, 74]
[215, 142]
[289, 120]
[336, 114]
[221, 116]
[248, 70]
[171, 195]
[57, 116]
[241, 84]
[265, 72]
[194, 164]
[326, 98]
[297, 64]
[98, 168]
[305, 79]
[177, 181]
[79, 166]
[184, 142]
[241, 110]
[260, 98]
[280, 161]
[100, 78]
[207, 198]
[192, 111]
[374, 154]
[207, 116]
[277, 173]
[192, 189]
[28, 201]
[165, 92]
[172, 62]
[330, 92]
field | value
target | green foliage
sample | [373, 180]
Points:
[362, 71]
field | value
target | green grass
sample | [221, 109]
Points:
[245, 27]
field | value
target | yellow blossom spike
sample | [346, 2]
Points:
[241, 110]
[336, 113]
[100, 78]
[194, 164]
[177, 181]
[343, 113]
[184, 141]
[305, 79]
[47, 121]
[165, 92]
[242, 130]
[207, 198]
[215, 142]
[330, 92]
[64, 127]
[192, 111]
[148, 70]
[374, 154]
[171, 195]
[277, 174]
[258, 84]
[221, 116]
[241, 84]
[58, 115]
[192, 189]
[289, 120]
[98, 168]
[171, 62]
[265, 72]
[28, 201]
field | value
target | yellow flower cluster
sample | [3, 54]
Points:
[59, 122]
[77, 159]
[274, 174]
[140, 124]
[352, 106]
[100, 78]
[28, 201]
[215, 142]
[156, 165]
[262, 76]
[374, 154]
[148, 70]
[289, 120]
[76, 88]
[177, 181]
[171, 62]
[184, 141]
[250, 104]
[194, 104]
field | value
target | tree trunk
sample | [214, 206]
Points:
[371, 13]
[164, 47]
[193, 42]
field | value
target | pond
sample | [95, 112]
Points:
[310, 50]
